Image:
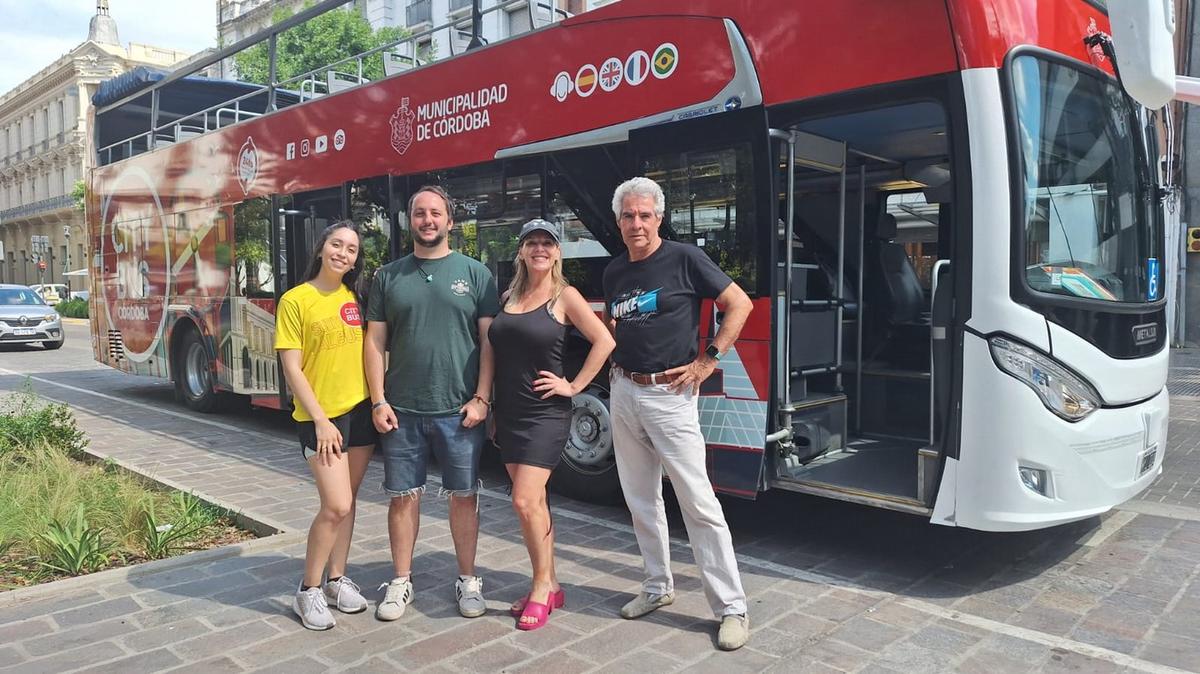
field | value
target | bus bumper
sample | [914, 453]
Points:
[1085, 468]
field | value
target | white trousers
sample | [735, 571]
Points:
[655, 428]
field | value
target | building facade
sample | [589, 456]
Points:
[46, 147]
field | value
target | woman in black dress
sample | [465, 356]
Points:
[533, 399]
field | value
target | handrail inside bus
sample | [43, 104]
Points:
[309, 82]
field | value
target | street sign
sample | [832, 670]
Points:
[39, 244]
[41, 265]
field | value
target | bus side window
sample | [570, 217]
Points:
[251, 248]
[710, 203]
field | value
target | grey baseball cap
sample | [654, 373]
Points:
[539, 225]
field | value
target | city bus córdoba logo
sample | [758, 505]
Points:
[247, 165]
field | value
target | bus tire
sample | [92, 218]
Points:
[588, 470]
[193, 373]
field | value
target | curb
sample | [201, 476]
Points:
[74, 321]
[18, 596]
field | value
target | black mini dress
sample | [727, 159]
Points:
[529, 430]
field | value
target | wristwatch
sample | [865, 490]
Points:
[713, 352]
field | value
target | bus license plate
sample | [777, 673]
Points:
[24, 332]
[1147, 461]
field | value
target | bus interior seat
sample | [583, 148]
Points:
[902, 294]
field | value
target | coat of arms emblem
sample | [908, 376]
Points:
[402, 127]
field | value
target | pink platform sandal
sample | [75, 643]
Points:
[556, 600]
[536, 610]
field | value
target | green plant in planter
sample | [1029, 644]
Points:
[73, 546]
[161, 540]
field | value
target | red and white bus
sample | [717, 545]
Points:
[947, 213]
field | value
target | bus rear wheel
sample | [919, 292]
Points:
[589, 467]
[193, 374]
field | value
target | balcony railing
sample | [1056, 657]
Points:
[419, 12]
[51, 204]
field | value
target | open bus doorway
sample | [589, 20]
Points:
[866, 304]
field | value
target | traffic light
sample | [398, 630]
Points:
[1193, 240]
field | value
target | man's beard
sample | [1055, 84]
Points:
[437, 241]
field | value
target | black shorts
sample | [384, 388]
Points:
[356, 428]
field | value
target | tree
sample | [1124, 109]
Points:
[316, 43]
[79, 195]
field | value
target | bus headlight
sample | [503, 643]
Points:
[1062, 391]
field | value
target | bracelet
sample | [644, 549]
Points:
[480, 399]
[377, 405]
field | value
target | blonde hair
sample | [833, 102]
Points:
[520, 282]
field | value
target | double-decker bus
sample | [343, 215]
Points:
[947, 213]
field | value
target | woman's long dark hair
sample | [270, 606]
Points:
[353, 278]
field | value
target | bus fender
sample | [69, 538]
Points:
[944, 503]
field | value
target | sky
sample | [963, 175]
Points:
[36, 32]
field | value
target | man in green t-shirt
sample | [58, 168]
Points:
[430, 311]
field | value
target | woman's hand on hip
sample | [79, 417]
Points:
[550, 384]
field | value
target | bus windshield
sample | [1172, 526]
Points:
[1089, 224]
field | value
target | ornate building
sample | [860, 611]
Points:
[46, 146]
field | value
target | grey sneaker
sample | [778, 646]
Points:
[469, 590]
[397, 598]
[310, 606]
[344, 595]
[646, 602]
[734, 632]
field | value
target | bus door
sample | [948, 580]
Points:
[302, 218]
[716, 174]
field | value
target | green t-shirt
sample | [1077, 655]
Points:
[433, 329]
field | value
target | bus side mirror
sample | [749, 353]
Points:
[1143, 33]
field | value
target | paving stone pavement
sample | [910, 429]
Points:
[832, 587]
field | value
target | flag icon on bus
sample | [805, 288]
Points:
[611, 74]
[585, 80]
[637, 68]
[666, 58]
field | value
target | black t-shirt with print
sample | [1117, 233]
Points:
[656, 302]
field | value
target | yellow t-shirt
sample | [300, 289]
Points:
[327, 328]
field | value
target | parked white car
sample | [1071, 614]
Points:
[52, 293]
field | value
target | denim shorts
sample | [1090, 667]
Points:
[406, 453]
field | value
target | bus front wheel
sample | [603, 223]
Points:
[193, 374]
[589, 467]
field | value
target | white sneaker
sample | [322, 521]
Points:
[397, 598]
[469, 592]
[345, 596]
[310, 606]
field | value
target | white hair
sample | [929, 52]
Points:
[639, 187]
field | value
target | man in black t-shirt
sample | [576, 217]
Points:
[652, 301]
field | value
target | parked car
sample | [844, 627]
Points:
[52, 293]
[26, 318]
[81, 295]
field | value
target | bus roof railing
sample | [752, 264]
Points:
[311, 79]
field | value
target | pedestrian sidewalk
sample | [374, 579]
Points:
[229, 610]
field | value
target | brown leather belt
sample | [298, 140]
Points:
[644, 379]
